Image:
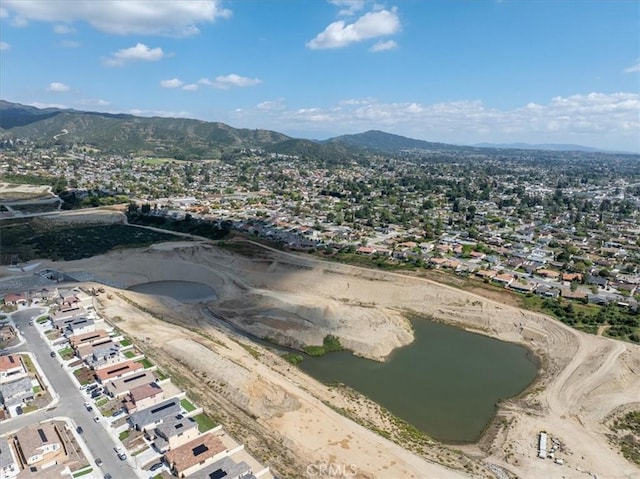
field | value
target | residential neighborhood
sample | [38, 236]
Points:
[558, 225]
[152, 428]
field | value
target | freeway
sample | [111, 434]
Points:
[70, 402]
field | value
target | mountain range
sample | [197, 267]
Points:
[183, 138]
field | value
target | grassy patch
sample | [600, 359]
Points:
[28, 363]
[329, 344]
[36, 389]
[125, 342]
[251, 350]
[42, 319]
[627, 434]
[204, 422]
[29, 408]
[83, 473]
[101, 402]
[66, 353]
[160, 376]
[52, 334]
[129, 354]
[124, 434]
[146, 363]
[293, 358]
[186, 405]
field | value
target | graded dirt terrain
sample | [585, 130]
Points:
[283, 415]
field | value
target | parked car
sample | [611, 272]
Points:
[98, 462]
[108, 476]
[52, 354]
[122, 456]
[118, 450]
[118, 412]
[88, 406]
[96, 418]
[79, 430]
[156, 466]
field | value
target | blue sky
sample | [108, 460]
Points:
[456, 71]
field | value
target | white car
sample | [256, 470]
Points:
[118, 450]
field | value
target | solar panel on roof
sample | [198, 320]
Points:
[43, 436]
[218, 474]
[201, 449]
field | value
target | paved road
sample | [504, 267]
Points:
[70, 403]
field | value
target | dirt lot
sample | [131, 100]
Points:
[290, 421]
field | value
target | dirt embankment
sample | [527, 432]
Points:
[283, 413]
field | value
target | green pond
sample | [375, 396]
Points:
[446, 383]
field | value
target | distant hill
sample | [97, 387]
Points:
[545, 147]
[329, 152]
[183, 138]
[122, 133]
[376, 140]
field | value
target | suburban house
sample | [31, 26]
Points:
[116, 371]
[567, 293]
[61, 318]
[486, 273]
[8, 463]
[104, 355]
[172, 433]
[569, 277]
[15, 299]
[195, 454]
[87, 338]
[7, 332]
[142, 397]
[548, 273]
[17, 392]
[46, 293]
[522, 287]
[74, 298]
[504, 278]
[225, 467]
[79, 326]
[152, 416]
[86, 350]
[120, 387]
[39, 445]
[11, 368]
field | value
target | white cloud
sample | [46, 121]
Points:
[173, 83]
[4, 46]
[190, 87]
[4, 13]
[271, 105]
[370, 25]
[41, 105]
[163, 113]
[383, 46]
[633, 68]
[58, 87]
[93, 102]
[142, 17]
[19, 22]
[349, 7]
[140, 52]
[63, 29]
[224, 82]
[608, 120]
[69, 44]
